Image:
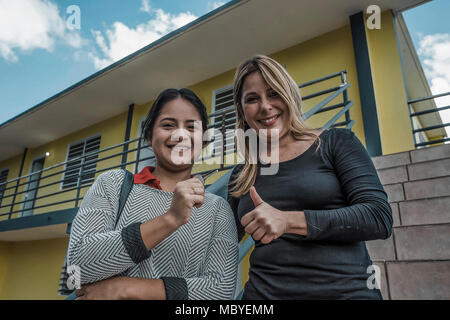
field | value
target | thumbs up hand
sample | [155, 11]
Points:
[265, 222]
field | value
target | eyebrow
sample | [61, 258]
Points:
[169, 119]
[253, 92]
[175, 120]
[249, 93]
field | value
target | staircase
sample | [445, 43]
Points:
[415, 261]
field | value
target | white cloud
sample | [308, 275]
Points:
[215, 4]
[434, 51]
[26, 25]
[119, 40]
[145, 6]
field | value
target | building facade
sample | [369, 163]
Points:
[50, 154]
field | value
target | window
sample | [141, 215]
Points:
[223, 101]
[3, 179]
[88, 147]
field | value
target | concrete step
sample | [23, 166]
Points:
[431, 153]
[391, 160]
[395, 214]
[429, 169]
[393, 175]
[428, 280]
[429, 188]
[427, 242]
[395, 192]
[415, 171]
[423, 211]
[381, 250]
[411, 157]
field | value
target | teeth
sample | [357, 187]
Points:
[181, 147]
[269, 120]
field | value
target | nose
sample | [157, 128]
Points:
[266, 105]
[180, 135]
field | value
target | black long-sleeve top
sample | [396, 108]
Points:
[345, 205]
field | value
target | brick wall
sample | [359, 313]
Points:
[415, 261]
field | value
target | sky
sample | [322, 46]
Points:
[40, 56]
[44, 50]
[429, 27]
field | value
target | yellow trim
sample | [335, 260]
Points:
[389, 87]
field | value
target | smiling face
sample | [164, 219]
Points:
[263, 108]
[177, 135]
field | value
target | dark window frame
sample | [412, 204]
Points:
[218, 94]
[3, 187]
[90, 145]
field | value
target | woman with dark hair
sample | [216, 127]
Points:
[310, 219]
[173, 240]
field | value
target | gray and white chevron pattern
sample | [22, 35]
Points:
[204, 251]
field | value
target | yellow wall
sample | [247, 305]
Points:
[390, 95]
[33, 269]
[5, 254]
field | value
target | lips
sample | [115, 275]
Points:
[269, 121]
[180, 148]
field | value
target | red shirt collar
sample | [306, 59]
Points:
[146, 177]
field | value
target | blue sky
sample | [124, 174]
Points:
[40, 57]
[429, 26]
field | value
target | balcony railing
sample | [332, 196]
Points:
[428, 128]
[49, 194]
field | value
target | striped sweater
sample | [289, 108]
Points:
[198, 261]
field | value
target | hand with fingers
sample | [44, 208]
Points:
[187, 194]
[265, 222]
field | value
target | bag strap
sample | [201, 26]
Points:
[127, 184]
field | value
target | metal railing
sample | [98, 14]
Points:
[54, 175]
[428, 128]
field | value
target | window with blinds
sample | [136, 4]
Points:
[75, 164]
[3, 179]
[224, 119]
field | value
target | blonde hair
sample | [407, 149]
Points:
[282, 83]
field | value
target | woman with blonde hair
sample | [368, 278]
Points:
[310, 219]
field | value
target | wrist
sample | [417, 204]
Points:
[145, 289]
[296, 222]
[125, 290]
[172, 220]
